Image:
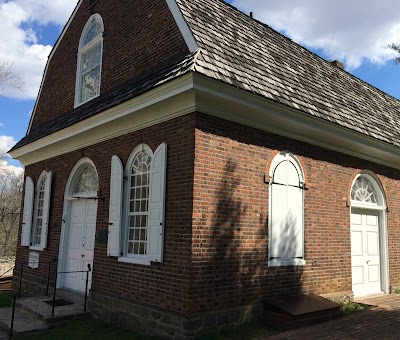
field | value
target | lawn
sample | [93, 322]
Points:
[86, 329]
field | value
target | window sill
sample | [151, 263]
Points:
[281, 263]
[142, 261]
[37, 248]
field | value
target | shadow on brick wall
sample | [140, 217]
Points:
[233, 269]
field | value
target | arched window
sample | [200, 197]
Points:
[142, 186]
[89, 61]
[366, 191]
[138, 213]
[286, 211]
[38, 234]
[85, 180]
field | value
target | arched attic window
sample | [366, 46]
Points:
[286, 211]
[90, 53]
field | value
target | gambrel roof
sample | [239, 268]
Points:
[240, 51]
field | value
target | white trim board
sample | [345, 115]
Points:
[193, 92]
[182, 25]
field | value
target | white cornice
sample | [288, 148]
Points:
[227, 102]
[194, 92]
[163, 103]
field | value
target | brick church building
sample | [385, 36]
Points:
[201, 162]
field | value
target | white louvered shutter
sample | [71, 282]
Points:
[46, 210]
[115, 208]
[27, 213]
[156, 204]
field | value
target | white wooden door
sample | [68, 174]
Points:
[82, 233]
[365, 254]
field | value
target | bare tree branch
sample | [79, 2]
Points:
[10, 79]
[11, 184]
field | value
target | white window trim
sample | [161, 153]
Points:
[81, 51]
[284, 155]
[131, 258]
[35, 214]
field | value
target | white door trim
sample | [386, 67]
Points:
[66, 219]
[383, 250]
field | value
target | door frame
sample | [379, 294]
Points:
[66, 217]
[381, 209]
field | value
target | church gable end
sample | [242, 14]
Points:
[140, 37]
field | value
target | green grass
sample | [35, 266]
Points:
[5, 299]
[87, 329]
[353, 307]
[255, 329]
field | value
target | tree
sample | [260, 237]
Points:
[397, 49]
[8, 78]
[11, 184]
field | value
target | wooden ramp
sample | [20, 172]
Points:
[290, 312]
[6, 282]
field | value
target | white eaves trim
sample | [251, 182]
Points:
[49, 59]
[227, 102]
[163, 103]
[183, 26]
[194, 92]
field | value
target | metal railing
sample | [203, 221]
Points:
[47, 278]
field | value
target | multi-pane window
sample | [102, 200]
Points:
[139, 204]
[38, 223]
[89, 60]
[136, 206]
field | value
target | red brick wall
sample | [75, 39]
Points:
[162, 284]
[140, 37]
[230, 217]
[216, 257]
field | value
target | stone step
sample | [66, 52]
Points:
[24, 323]
[42, 311]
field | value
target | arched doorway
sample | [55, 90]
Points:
[369, 260]
[79, 226]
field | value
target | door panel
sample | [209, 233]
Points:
[80, 251]
[365, 253]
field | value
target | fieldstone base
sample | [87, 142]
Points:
[151, 321]
[339, 297]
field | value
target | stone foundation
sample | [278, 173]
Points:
[151, 321]
[339, 297]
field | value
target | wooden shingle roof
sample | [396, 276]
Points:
[247, 54]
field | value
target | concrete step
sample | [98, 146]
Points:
[24, 323]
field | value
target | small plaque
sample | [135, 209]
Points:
[102, 236]
[33, 260]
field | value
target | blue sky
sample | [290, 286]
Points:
[356, 33]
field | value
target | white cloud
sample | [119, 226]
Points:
[6, 143]
[350, 31]
[20, 44]
[6, 168]
[7, 164]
